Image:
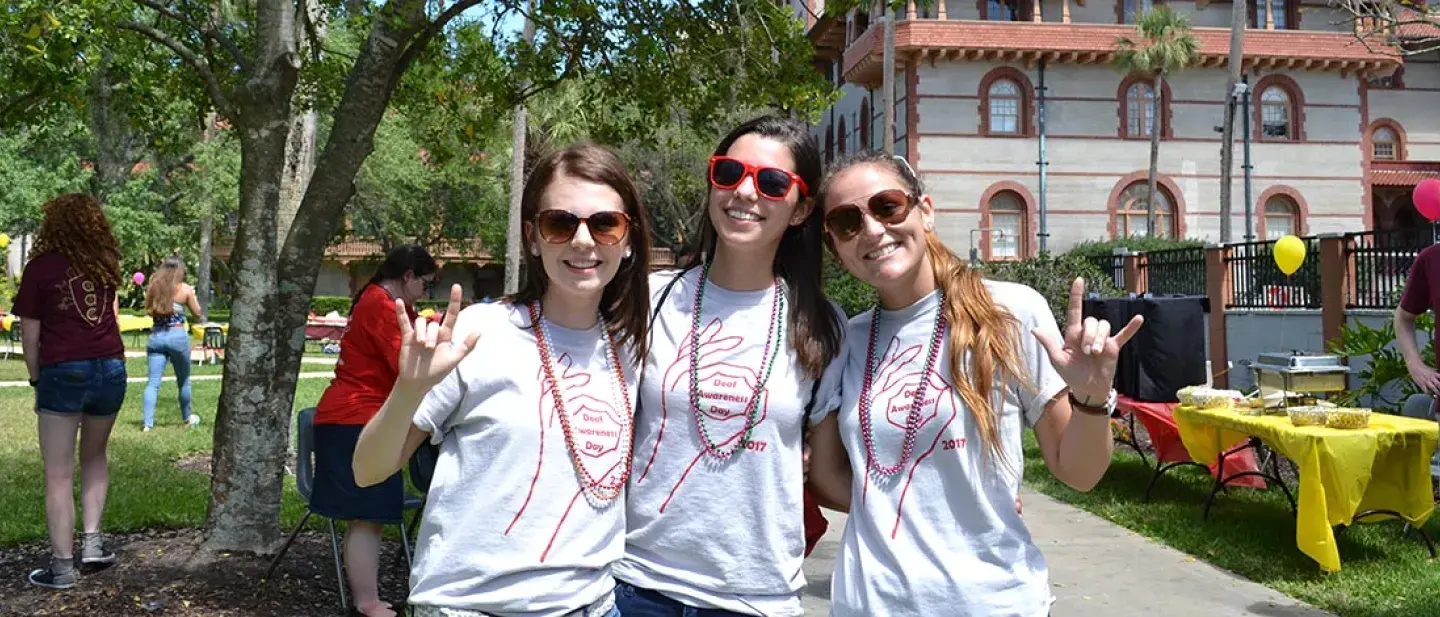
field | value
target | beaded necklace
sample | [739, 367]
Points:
[767, 360]
[596, 488]
[912, 418]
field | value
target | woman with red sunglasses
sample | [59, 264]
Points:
[740, 344]
[941, 378]
[525, 513]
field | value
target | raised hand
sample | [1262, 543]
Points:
[1086, 355]
[428, 351]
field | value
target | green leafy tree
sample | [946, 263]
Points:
[257, 64]
[1163, 45]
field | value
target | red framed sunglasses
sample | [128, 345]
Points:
[771, 182]
[890, 207]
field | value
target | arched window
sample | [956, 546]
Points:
[1139, 110]
[1385, 144]
[1280, 218]
[842, 138]
[1277, 114]
[1132, 209]
[1007, 222]
[1007, 107]
[865, 141]
[1278, 10]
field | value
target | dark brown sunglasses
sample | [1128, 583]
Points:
[559, 226]
[889, 207]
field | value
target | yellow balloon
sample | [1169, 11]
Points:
[4, 240]
[1289, 254]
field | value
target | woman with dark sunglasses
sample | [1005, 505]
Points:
[939, 379]
[363, 378]
[740, 344]
[525, 512]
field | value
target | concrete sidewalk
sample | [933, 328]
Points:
[170, 378]
[1098, 569]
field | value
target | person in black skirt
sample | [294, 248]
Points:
[364, 376]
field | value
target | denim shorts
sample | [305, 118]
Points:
[92, 387]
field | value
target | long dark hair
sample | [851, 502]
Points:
[625, 301]
[401, 259]
[985, 331]
[160, 293]
[813, 326]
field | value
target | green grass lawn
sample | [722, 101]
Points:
[1252, 533]
[13, 369]
[147, 490]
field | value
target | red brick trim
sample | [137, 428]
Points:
[912, 116]
[1027, 101]
[1163, 183]
[1302, 212]
[1400, 138]
[1031, 215]
[1297, 106]
[1367, 190]
[1166, 128]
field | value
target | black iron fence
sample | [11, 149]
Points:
[1256, 282]
[1175, 271]
[1113, 266]
[1380, 261]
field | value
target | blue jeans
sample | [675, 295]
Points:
[92, 387]
[170, 345]
[637, 602]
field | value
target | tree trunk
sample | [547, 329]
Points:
[1156, 122]
[299, 167]
[207, 238]
[888, 97]
[517, 179]
[252, 421]
[110, 128]
[1227, 138]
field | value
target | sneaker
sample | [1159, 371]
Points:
[93, 549]
[194, 420]
[145, 430]
[60, 574]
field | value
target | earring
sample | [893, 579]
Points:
[535, 250]
[627, 253]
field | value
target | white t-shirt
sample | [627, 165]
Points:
[507, 529]
[940, 536]
[724, 534]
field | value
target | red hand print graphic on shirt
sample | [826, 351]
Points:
[726, 387]
[896, 378]
[599, 430]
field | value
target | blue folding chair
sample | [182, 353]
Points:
[305, 483]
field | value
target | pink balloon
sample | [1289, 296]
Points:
[1427, 198]
[139, 278]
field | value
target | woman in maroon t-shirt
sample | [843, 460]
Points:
[71, 337]
[369, 353]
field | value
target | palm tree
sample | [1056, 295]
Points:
[1165, 45]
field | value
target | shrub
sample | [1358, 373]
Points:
[1386, 371]
[1052, 276]
[1135, 244]
[850, 293]
[322, 305]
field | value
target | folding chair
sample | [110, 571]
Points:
[13, 344]
[212, 344]
[304, 484]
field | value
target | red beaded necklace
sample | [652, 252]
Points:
[912, 418]
[597, 488]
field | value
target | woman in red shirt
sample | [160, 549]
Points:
[369, 352]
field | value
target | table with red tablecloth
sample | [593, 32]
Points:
[1159, 422]
[325, 328]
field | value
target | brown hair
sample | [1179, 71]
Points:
[979, 327]
[160, 293]
[625, 302]
[814, 328]
[75, 226]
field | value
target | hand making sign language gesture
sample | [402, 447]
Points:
[429, 351]
[1085, 356]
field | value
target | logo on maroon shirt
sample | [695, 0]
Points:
[89, 305]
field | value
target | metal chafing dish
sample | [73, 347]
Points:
[1297, 373]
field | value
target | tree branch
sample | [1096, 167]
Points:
[212, 84]
[1377, 23]
[207, 32]
[22, 102]
[423, 39]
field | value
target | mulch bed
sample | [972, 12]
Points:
[165, 573]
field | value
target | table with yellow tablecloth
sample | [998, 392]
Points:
[1342, 472]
